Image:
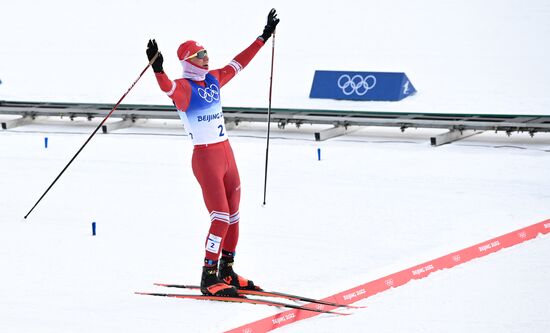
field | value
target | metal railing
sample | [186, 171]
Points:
[338, 118]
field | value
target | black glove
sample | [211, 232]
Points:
[272, 22]
[152, 49]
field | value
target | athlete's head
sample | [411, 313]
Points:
[194, 53]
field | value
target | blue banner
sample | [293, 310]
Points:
[361, 86]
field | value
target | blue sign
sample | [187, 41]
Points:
[361, 86]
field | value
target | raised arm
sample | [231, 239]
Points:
[243, 59]
[176, 92]
[228, 72]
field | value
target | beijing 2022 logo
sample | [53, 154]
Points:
[357, 84]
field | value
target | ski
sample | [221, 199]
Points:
[264, 293]
[243, 299]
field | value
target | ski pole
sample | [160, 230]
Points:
[93, 133]
[269, 115]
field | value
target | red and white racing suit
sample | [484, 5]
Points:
[199, 107]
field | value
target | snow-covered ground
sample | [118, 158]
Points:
[378, 202]
[367, 209]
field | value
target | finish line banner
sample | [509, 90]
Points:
[361, 86]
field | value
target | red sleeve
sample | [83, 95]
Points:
[238, 63]
[178, 91]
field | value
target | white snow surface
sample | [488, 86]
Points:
[379, 201]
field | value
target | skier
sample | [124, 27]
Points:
[196, 97]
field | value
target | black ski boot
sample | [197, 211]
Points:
[211, 285]
[227, 275]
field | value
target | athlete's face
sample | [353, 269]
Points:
[200, 62]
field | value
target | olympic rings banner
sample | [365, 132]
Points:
[361, 86]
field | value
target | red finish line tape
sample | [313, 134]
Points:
[400, 278]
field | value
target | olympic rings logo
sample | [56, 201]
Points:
[356, 84]
[209, 94]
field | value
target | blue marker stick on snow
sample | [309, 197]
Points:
[46, 142]
[318, 154]
[93, 228]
